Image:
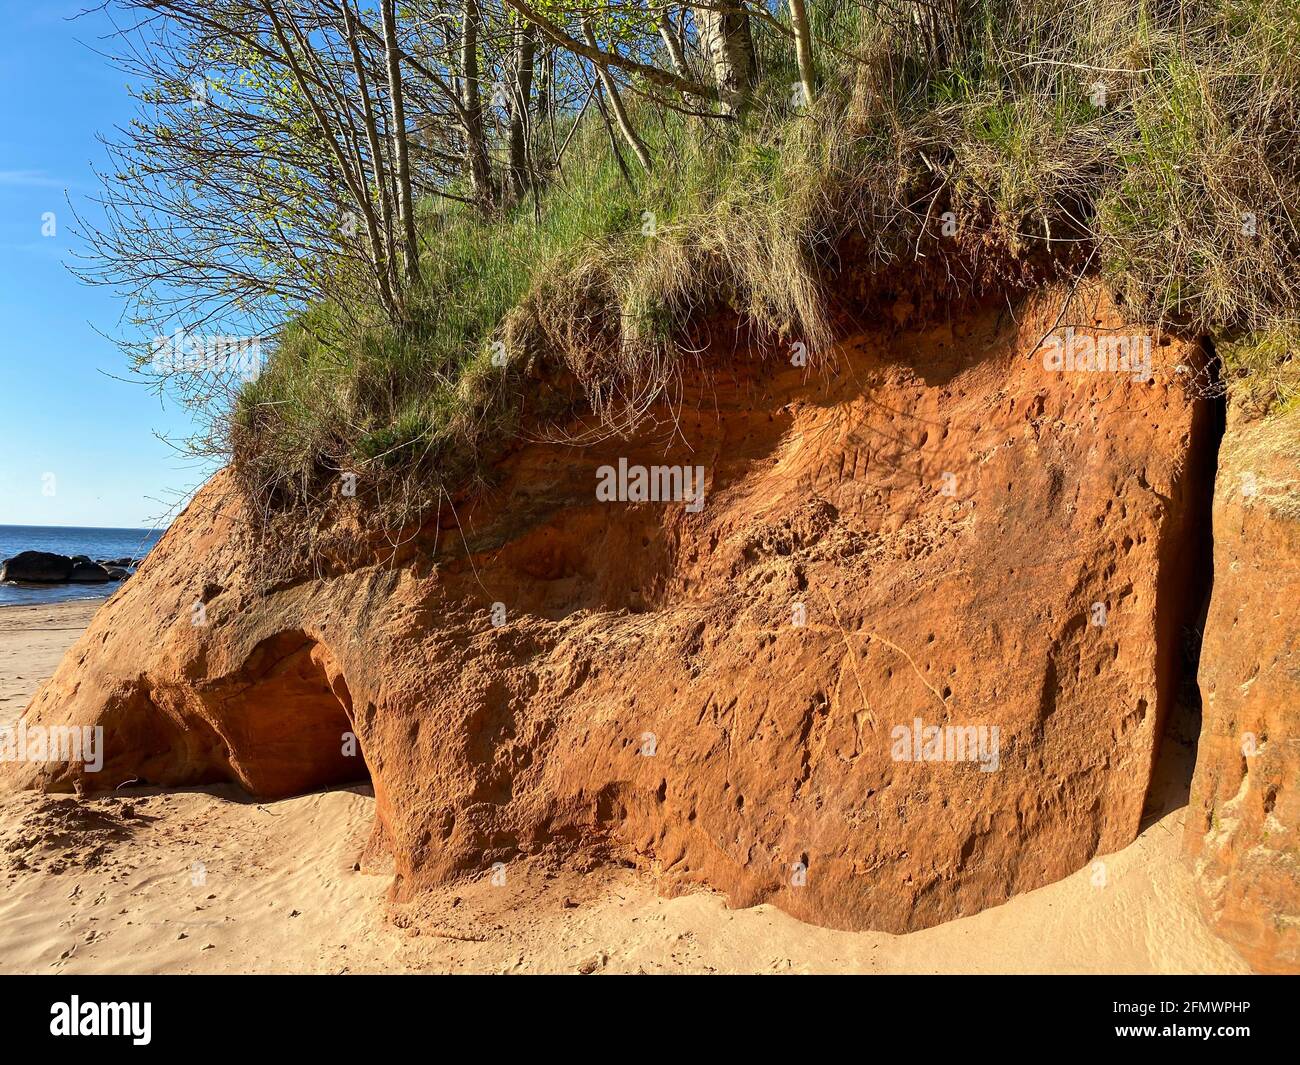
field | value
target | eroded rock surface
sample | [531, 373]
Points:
[1243, 830]
[968, 539]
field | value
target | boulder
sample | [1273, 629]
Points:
[912, 655]
[37, 567]
[1243, 825]
[89, 573]
[116, 573]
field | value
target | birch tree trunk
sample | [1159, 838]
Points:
[520, 100]
[727, 42]
[669, 36]
[377, 154]
[616, 103]
[477, 164]
[803, 49]
[349, 169]
[401, 156]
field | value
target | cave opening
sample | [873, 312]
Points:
[292, 729]
[1183, 602]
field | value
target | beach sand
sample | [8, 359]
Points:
[32, 640]
[209, 881]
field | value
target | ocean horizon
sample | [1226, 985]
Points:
[95, 543]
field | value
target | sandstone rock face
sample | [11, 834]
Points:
[933, 529]
[1243, 829]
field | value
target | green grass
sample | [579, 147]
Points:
[995, 122]
[1263, 370]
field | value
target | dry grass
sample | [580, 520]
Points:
[975, 151]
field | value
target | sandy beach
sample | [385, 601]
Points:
[209, 881]
[32, 640]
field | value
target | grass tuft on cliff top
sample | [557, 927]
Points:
[1156, 144]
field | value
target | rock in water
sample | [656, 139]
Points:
[89, 573]
[912, 655]
[1243, 825]
[37, 566]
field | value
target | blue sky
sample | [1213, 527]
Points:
[59, 412]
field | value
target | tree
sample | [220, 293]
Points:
[803, 49]
[520, 101]
[477, 163]
[728, 43]
[405, 201]
[616, 100]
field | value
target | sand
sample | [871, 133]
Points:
[208, 881]
[32, 640]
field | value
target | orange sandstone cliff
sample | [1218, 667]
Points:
[1243, 830]
[930, 532]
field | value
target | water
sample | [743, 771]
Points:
[95, 543]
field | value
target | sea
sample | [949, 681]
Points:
[94, 543]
